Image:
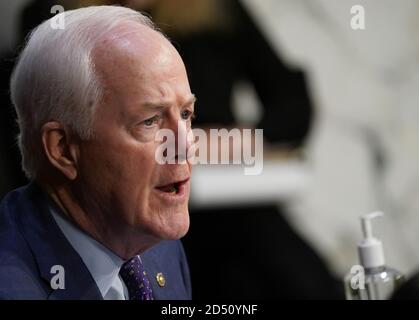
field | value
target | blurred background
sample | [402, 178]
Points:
[339, 110]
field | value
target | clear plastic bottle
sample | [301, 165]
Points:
[372, 280]
[380, 284]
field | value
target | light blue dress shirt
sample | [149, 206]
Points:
[103, 264]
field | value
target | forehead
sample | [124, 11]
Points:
[132, 44]
[135, 58]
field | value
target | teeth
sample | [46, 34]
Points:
[173, 190]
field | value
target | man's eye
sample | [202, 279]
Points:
[151, 121]
[187, 114]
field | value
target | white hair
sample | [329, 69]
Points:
[54, 79]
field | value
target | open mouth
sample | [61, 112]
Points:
[173, 188]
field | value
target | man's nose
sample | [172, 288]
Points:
[183, 140]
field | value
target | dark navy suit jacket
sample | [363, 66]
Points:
[31, 243]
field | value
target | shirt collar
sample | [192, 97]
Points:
[103, 264]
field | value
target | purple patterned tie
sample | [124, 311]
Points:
[135, 278]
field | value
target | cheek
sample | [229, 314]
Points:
[136, 180]
[135, 174]
[124, 171]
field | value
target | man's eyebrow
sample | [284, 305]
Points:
[191, 100]
[165, 104]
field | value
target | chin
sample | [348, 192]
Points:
[175, 229]
[179, 231]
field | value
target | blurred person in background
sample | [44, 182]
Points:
[363, 149]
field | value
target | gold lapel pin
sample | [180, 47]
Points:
[160, 279]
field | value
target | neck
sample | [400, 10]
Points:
[125, 242]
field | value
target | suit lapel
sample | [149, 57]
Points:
[156, 261]
[50, 248]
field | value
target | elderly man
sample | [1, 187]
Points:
[101, 218]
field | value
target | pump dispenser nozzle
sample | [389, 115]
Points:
[366, 223]
[370, 249]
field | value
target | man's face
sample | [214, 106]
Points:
[146, 89]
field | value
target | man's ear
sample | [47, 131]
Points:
[59, 148]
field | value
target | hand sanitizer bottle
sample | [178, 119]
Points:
[372, 280]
